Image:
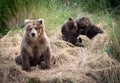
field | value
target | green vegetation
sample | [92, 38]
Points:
[13, 12]
[56, 12]
[114, 47]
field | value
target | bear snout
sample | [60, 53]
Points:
[33, 34]
[75, 28]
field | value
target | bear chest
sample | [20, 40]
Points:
[38, 50]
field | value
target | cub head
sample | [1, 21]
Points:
[93, 31]
[34, 28]
[70, 26]
[83, 24]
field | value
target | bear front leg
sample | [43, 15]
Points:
[25, 63]
[72, 40]
[47, 57]
[79, 42]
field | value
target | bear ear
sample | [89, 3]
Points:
[26, 21]
[70, 19]
[41, 21]
[100, 31]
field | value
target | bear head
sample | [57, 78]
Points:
[83, 24]
[34, 28]
[70, 27]
[93, 31]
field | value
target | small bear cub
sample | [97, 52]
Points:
[86, 27]
[69, 32]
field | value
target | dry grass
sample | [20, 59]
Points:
[70, 64]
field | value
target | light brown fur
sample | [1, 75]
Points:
[35, 49]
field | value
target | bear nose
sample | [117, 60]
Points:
[33, 34]
[75, 28]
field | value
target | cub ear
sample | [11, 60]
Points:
[26, 21]
[100, 31]
[70, 19]
[41, 21]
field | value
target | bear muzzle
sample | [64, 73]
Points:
[33, 34]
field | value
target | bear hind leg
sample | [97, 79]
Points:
[45, 59]
[18, 60]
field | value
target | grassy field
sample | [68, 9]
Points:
[56, 12]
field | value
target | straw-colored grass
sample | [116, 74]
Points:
[70, 64]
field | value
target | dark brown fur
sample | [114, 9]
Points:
[69, 32]
[93, 31]
[83, 24]
[85, 27]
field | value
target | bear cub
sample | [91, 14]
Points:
[82, 26]
[70, 34]
[35, 46]
[85, 27]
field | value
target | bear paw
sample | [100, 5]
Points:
[26, 69]
[42, 65]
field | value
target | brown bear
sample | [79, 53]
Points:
[69, 32]
[35, 46]
[85, 27]
[83, 24]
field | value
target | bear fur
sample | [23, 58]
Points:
[69, 32]
[35, 46]
[85, 27]
[82, 26]
[92, 31]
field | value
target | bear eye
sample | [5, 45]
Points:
[30, 29]
[36, 28]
